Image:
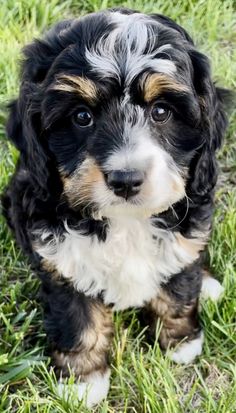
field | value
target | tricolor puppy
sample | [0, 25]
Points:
[117, 124]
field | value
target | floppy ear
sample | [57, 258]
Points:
[14, 127]
[24, 122]
[24, 130]
[212, 100]
[203, 169]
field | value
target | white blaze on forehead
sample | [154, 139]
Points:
[128, 49]
[132, 154]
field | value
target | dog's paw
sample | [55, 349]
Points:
[211, 288]
[187, 352]
[93, 391]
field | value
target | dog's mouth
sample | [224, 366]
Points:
[128, 209]
[139, 205]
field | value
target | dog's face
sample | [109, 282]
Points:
[124, 108]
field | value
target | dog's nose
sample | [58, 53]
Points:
[125, 183]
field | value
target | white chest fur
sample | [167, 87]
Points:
[128, 267]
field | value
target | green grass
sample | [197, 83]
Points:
[143, 379]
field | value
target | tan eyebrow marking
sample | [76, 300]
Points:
[157, 83]
[77, 84]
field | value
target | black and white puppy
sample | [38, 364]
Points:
[117, 124]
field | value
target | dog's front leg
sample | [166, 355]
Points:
[80, 331]
[176, 306]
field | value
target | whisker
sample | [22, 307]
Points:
[186, 213]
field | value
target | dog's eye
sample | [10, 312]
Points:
[160, 113]
[83, 117]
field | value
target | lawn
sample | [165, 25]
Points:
[143, 379]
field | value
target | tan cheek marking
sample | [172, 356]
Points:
[158, 83]
[77, 84]
[91, 352]
[79, 187]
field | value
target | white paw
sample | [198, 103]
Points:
[93, 391]
[187, 352]
[211, 288]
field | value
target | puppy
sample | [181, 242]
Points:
[117, 124]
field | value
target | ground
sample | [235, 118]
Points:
[143, 379]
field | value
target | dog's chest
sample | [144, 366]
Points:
[127, 268]
[124, 267]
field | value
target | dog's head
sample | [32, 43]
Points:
[121, 107]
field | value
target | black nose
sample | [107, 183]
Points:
[125, 183]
